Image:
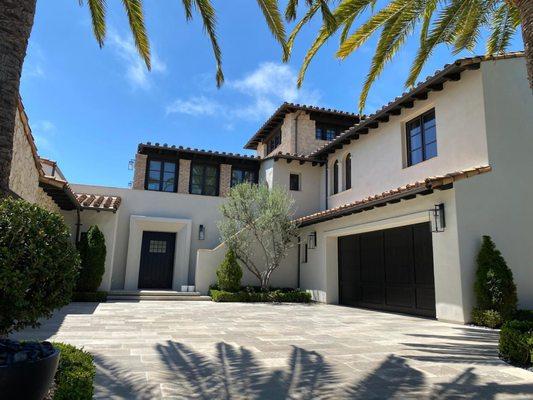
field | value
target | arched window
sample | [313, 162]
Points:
[336, 177]
[348, 172]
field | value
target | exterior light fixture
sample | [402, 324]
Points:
[438, 218]
[311, 240]
[201, 232]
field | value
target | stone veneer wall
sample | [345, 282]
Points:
[139, 173]
[24, 176]
[184, 175]
[225, 180]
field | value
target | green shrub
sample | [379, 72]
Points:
[229, 274]
[516, 342]
[92, 251]
[523, 315]
[494, 286]
[97, 297]
[488, 318]
[276, 296]
[75, 374]
[38, 264]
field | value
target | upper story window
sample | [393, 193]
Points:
[239, 175]
[204, 179]
[421, 138]
[161, 176]
[324, 132]
[294, 182]
[336, 177]
[348, 172]
[274, 142]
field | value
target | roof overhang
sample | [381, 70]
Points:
[59, 191]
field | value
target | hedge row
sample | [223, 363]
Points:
[97, 297]
[276, 296]
[75, 374]
[516, 342]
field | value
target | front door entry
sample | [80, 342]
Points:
[157, 260]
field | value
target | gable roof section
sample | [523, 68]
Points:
[435, 83]
[286, 108]
[406, 192]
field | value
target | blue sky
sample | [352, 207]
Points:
[89, 108]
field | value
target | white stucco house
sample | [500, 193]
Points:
[392, 206]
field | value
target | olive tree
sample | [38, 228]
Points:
[257, 225]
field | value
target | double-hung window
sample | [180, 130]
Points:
[161, 176]
[324, 132]
[204, 179]
[239, 175]
[421, 138]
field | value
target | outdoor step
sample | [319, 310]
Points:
[167, 295]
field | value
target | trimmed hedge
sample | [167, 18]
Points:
[229, 274]
[92, 252]
[516, 342]
[276, 296]
[75, 374]
[90, 297]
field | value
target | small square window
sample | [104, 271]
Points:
[294, 182]
[158, 246]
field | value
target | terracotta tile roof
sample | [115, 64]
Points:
[393, 195]
[302, 158]
[419, 92]
[59, 190]
[98, 202]
[181, 149]
[277, 117]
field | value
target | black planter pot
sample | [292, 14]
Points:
[29, 380]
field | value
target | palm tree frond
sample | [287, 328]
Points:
[467, 32]
[98, 8]
[209, 20]
[187, 5]
[273, 18]
[290, 10]
[503, 25]
[136, 20]
[306, 18]
[329, 19]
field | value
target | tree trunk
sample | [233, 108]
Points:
[525, 8]
[16, 21]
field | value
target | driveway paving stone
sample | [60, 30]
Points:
[204, 350]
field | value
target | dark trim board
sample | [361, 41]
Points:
[389, 270]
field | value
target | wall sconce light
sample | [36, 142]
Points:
[438, 218]
[201, 232]
[311, 240]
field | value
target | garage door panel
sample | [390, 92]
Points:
[389, 270]
[399, 255]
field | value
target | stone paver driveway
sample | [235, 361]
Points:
[204, 350]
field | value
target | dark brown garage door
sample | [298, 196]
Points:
[388, 270]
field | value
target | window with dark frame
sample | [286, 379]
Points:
[204, 179]
[348, 172]
[274, 142]
[294, 182]
[421, 138]
[336, 177]
[325, 132]
[161, 176]
[240, 175]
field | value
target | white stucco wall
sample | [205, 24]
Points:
[209, 260]
[499, 203]
[378, 158]
[201, 210]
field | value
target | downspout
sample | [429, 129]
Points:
[327, 172]
[78, 225]
[298, 113]
[299, 249]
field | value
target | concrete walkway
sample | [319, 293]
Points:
[203, 350]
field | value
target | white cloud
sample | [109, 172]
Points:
[262, 91]
[136, 71]
[33, 65]
[200, 105]
[44, 133]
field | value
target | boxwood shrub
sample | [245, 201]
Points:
[489, 318]
[96, 297]
[75, 374]
[251, 296]
[516, 342]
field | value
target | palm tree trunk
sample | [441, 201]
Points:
[525, 8]
[16, 21]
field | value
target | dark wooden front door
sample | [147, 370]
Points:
[157, 260]
[390, 270]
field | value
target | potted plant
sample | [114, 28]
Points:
[38, 270]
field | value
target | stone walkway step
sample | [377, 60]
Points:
[167, 295]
